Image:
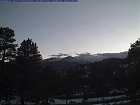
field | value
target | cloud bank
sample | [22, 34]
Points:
[92, 57]
[100, 56]
[60, 55]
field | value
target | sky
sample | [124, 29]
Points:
[91, 26]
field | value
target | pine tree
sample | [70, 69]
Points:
[7, 53]
[28, 58]
[7, 46]
[134, 51]
[134, 68]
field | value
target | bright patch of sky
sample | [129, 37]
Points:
[93, 26]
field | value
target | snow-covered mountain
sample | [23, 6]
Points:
[69, 61]
[100, 56]
[65, 59]
[60, 63]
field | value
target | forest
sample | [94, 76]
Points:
[23, 75]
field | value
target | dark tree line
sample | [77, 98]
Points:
[119, 76]
[22, 74]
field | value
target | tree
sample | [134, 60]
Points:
[134, 51]
[7, 52]
[28, 58]
[7, 46]
[134, 68]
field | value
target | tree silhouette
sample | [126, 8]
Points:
[7, 46]
[7, 53]
[134, 51]
[133, 75]
[28, 58]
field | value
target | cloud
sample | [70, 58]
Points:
[92, 57]
[59, 55]
[100, 56]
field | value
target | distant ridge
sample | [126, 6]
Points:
[100, 56]
[69, 61]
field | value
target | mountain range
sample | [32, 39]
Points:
[83, 58]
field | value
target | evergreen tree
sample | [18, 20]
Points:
[134, 51]
[7, 46]
[7, 53]
[28, 58]
[134, 68]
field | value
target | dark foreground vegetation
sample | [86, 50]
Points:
[23, 75]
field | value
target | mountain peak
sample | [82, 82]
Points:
[69, 59]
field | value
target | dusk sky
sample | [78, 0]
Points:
[93, 26]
